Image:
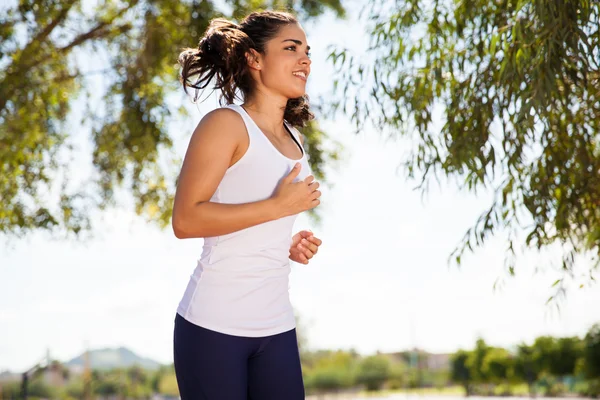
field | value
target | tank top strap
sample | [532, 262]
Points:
[250, 126]
[294, 131]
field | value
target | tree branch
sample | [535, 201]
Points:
[44, 33]
[99, 31]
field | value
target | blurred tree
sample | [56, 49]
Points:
[168, 385]
[139, 382]
[328, 379]
[338, 359]
[516, 85]
[39, 388]
[397, 377]
[592, 354]
[54, 54]
[567, 352]
[373, 371]
[11, 390]
[107, 388]
[75, 389]
[545, 350]
[158, 375]
[476, 360]
[460, 371]
[329, 370]
[528, 366]
[497, 365]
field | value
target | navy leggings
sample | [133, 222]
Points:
[211, 365]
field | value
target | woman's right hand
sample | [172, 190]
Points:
[296, 197]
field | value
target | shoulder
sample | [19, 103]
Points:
[223, 117]
[223, 123]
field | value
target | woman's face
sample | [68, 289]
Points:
[285, 65]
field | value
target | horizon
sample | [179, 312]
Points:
[144, 357]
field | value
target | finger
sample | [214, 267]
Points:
[315, 185]
[309, 179]
[306, 252]
[316, 194]
[299, 236]
[305, 234]
[300, 257]
[310, 246]
[293, 173]
[315, 240]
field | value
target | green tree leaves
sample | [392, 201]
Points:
[373, 371]
[549, 365]
[517, 85]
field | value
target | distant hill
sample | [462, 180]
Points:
[7, 376]
[112, 358]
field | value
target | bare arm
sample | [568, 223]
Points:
[209, 154]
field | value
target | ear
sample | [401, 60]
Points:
[254, 59]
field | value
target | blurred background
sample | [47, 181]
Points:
[457, 142]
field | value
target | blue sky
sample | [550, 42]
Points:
[381, 280]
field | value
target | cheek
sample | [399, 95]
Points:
[280, 66]
[277, 75]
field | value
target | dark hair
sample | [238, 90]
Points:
[221, 55]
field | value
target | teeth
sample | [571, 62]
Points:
[302, 74]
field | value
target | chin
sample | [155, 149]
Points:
[294, 94]
[289, 89]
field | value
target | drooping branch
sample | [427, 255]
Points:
[16, 70]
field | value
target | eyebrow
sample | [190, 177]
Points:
[298, 42]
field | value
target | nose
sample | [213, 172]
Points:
[305, 60]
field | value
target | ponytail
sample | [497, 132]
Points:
[221, 54]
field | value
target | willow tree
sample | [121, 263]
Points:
[517, 87]
[48, 53]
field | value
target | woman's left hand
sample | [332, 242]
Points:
[304, 247]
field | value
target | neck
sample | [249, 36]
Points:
[268, 112]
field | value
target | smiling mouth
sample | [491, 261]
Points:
[301, 75]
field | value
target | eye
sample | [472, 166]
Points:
[294, 48]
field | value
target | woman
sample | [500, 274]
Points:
[245, 178]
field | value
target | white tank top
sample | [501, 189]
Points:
[240, 284]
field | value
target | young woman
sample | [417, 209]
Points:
[245, 178]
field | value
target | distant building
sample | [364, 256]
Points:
[438, 362]
[55, 374]
[423, 360]
[7, 376]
